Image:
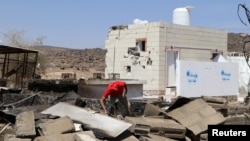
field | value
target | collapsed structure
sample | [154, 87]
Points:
[68, 116]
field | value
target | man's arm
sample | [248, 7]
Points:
[126, 89]
[102, 100]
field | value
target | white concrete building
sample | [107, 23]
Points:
[149, 51]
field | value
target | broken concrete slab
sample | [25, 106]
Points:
[25, 124]
[101, 124]
[164, 127]
[85, 136]
[56, 137]
[57, 126]
[152, 110]
[196, 115]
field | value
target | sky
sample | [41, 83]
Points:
[80, 24]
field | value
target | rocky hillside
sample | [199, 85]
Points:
[85, 62]
[236, 41]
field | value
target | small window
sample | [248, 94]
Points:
[128, 69]
[215, 53]
[141, 44]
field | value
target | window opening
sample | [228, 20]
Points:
[214, 54]
[128, 69]
[141, 44]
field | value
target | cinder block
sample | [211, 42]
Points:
[141, 129]
[215, 102]
[25, 124]
[58, 126]
[162, 127]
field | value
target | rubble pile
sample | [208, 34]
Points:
[67, 116]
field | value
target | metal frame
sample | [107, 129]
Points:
[17, 65]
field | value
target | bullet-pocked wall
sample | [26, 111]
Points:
[139, 51]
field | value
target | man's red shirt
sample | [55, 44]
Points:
[114, 89]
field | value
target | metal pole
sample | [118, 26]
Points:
[113, 77]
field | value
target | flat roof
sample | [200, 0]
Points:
[4, 49]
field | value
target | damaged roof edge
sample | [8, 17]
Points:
[118, 27]
[11, 49]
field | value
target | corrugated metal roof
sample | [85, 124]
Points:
[9, 49]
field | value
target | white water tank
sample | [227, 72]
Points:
[182, 15]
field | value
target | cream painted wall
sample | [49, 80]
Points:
[193, 43]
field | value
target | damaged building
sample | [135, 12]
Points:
[152, 49]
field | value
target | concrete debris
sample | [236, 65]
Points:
[57, 126]
[103, 124]
[238, 108]
[161, 127]
[196, 116]
[152, 137]
[137, 106]
[215, 102]
[85, 136]
[18, 139]
[11, 137]
[141, 129]
[243, 119]
[67, 116]
[56, 137]
[25, 124]
[204, 137]
[153, 110]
